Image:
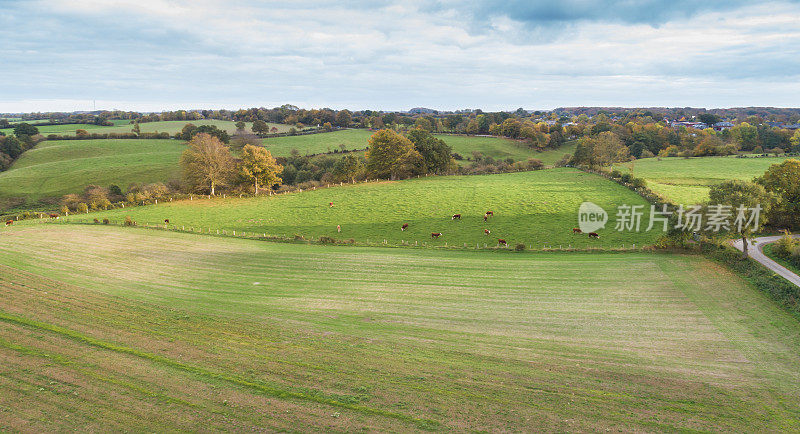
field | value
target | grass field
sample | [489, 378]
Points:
[533, 208]
[688, 180]
[497, 148]
[124, 126]
[56, 168]
[769, 251]
[112, 328]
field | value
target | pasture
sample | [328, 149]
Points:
[124, 126]
[533, 208]
[106, 328]
[350, 139]
[688, 180]
[55, 168]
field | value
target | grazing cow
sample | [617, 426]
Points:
[594, 235]
[330, 203]
[338, 228]
[9, 222]
[576, 231]
[404, 227]
[53, 216]
[436, 234]
[485, 217]
[166, 221]
[502, 242]
[489, 213]
[487, 232]
[456, 216]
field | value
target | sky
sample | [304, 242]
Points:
[153, 55]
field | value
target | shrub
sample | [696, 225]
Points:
[327, 240]
[105, 221]
[785, 246]
[129, 221]
[82, 208]
[96, 221]
[520, 247]
[615, 174]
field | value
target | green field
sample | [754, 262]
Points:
[319, 143]
[687, 180]
[111, 328]
[124, 126]
[55, 168]
[534, 208]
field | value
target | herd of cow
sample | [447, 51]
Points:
[52, 216]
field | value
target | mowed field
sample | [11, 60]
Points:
[55, 168]
[534, 208]
[688, 180]
[124, 126]
[105, 328]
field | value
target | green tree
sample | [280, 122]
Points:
[240, 125]
[260, 127]
[206, 163]
[259, 167]
[600, 150]
[436, 155]
[424, 124]
[708, 118]
[746, 136]
[348, 168]
[746, 194]
[389, 154]
[784, 181]
[25, 129]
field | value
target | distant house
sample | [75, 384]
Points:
[792, 127]
[720, 126]
[775, 124]
[273, 130]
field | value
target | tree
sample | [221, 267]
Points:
[784, 181]
[424, 124]
[389, 154]
[240, 125]
[4, 123]
[135, 129]
[258, 166]
[746, 136]
[600, 150]
[343, 118]
[436, 155]
[191, 130]
[746, 195]
[260, 127]
[10, 146]
[348, 168]
[24, 129]
[206, 163]
[709, 119]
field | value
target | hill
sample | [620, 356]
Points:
[533, 208]
[55, 168]
[688, 180]
[108, 328]
[124, 126]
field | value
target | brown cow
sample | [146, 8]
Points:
[166, 221]
[330, 203]
[456, 216]
[53, 216]
[490, 213]
[404, 227]
[9, 222]
[594, 235]
[436, 234]
[485, 217]
[577, 231]
[487, 232]
[502, 242]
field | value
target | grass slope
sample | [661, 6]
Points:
[109, 328]
[55, 168]
[530, 207]
[688, 180]
[769, 250]
[124, 126]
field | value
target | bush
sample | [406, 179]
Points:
[785, 246]
[327, 240]
[96, 221]
[520, 247]
[105, 221]
[129, 221]
[82, 208]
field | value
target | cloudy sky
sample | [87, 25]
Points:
[152, 55]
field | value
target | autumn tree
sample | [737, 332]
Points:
[389, 154]
[343, 118]
[260, 127]
[240, 125]
[784, 181]
[600, 150]
[259, 167]
[206, 163]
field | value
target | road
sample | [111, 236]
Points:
[757, 253]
